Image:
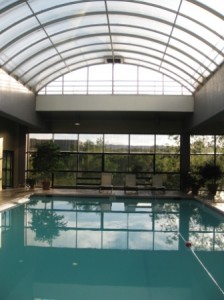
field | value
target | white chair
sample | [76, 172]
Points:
[130, 183]
[157, 183]
[106, 182]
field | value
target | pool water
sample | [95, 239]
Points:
[62, 248]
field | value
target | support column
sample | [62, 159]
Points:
[1, 160]
[184, 160]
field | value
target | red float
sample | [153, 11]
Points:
[188, 244]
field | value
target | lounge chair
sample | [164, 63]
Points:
[157, 183]
[130, 183]
[106, 182]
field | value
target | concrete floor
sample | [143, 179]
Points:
[13, 197]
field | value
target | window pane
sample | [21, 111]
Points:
[90, 162]
[116, 143]
[220, 144]
[197, 161]
[35, 139]
[68, 161]
[116, 163]
[172, 181]
[76, 82]
[91, 142]
[202, 144]
[66, 142]
[64, 179]
[142, 143]
[100, 79]
[168, 143]
[167, 163]
[220, 161]
[141, 163]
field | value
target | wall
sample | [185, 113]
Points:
[17, 103]
[115, 113]
[17, 114]
[13, 137]
[151, 125]
[209, 106]
[115, 103]
[1, 157]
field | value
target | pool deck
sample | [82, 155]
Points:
[13, 197]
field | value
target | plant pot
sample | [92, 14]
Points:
[30, 183]
[212, 188]
[46, 185]
[195, 189]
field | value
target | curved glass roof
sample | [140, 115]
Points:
[43, 39]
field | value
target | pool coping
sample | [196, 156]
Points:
[14, 197]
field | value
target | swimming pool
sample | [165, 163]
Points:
[62, 248]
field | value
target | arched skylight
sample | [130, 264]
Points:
[42, 40]
[115, 79]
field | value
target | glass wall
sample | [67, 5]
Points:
[114, 79]
[86, 156]
[207, 149]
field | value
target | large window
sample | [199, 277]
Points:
[204, 149]
[86, 156]
[114, 79]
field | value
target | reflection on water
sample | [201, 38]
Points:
[69, 248]
[118, 225]
[102, 224]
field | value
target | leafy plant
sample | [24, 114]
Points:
[194, 182]
[30, 182]
[46, 159]
[210, 172]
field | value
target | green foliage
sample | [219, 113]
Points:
[210, 172]
[194, 182]
[31, 181]
[46, 159]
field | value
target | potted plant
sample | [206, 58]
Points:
[211, 173]
[31, 182]
[45, 161]
[194, 182]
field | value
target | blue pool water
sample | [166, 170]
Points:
[62, 248]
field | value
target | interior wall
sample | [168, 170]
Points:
[115, 113]
[1, 158]
[17, 102]
[115, 103]
[151, 126]
[13, 137]
[208, 114]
